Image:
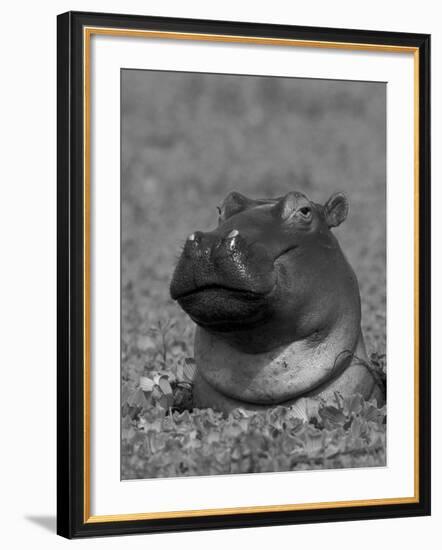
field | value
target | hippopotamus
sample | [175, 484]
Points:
[276, 305]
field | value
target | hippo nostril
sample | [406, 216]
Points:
[192, 246]
[195, 238]
[232, 244]
[231, 239]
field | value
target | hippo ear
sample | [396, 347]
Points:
[336, 209]
[232, 204]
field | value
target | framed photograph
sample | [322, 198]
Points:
[243, 274]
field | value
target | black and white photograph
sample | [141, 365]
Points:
[253, 274]
[221, 266]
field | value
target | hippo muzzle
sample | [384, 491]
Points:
[223, 280]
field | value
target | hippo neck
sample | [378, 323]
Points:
[281, 374]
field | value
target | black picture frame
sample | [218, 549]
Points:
[72, 521]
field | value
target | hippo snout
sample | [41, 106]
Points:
[222, 277]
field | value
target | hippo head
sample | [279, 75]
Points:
[271, 272]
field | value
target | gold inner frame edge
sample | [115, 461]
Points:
[87, 33]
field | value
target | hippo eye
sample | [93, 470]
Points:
[306, 211]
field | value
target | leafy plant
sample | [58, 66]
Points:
[161, 438]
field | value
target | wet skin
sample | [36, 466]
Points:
[276, 303]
